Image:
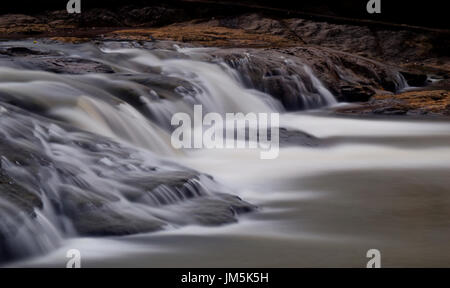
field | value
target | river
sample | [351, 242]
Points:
[366, 183]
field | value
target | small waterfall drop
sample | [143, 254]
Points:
[293, 83]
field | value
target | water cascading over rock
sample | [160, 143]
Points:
[85, 144]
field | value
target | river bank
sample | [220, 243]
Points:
[359, 62]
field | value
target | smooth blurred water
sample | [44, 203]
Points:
[319, 206]
[371, 183]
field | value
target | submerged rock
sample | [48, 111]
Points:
[85, 184]
[19, 236]
[18, 196]
[297, 138]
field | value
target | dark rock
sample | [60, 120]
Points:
[165, 86]
[281, 73]
[140, 194]
[152, 16]
[20, 51]
[356, 93]
[297, 138]
[414, 79]
[17, 19]
[447, 110]
[391, 111]
[18, 196]
[17, 206]
[68, 65]
[213, 212]
[43, 58]
[96, 216]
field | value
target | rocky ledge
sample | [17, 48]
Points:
[357, 62]
[413, 103]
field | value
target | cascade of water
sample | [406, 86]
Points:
[293, 83]
[213, 85]
[85, 184]
[21, 236]
[400, 83]
[322, 90]
[92, 141]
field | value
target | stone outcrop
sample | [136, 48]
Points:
[413, 103]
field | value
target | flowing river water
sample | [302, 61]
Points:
[100, 140]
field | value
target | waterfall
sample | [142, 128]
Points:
[93, 149]
[83, 106]
[23, 236]
[292, 82]
[90, 185]
[213, 85]
[400, 82]
[326, 95]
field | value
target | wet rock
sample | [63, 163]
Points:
[413, 103]
[212, 212]
[281, 73]
[356, 93]
[290, 137]
[186, 185]
[415, 79]
[17, 206]
[96, 216]
[68, 65]
[140, 198]
[395, 110]
[189, 203]
[40, 57]
[165, 86]
[17, 195]
[20, 51]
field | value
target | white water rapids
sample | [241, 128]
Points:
[371, 183]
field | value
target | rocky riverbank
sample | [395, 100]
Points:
[413, 103]
[360, 63]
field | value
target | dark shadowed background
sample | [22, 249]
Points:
[430, 13]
